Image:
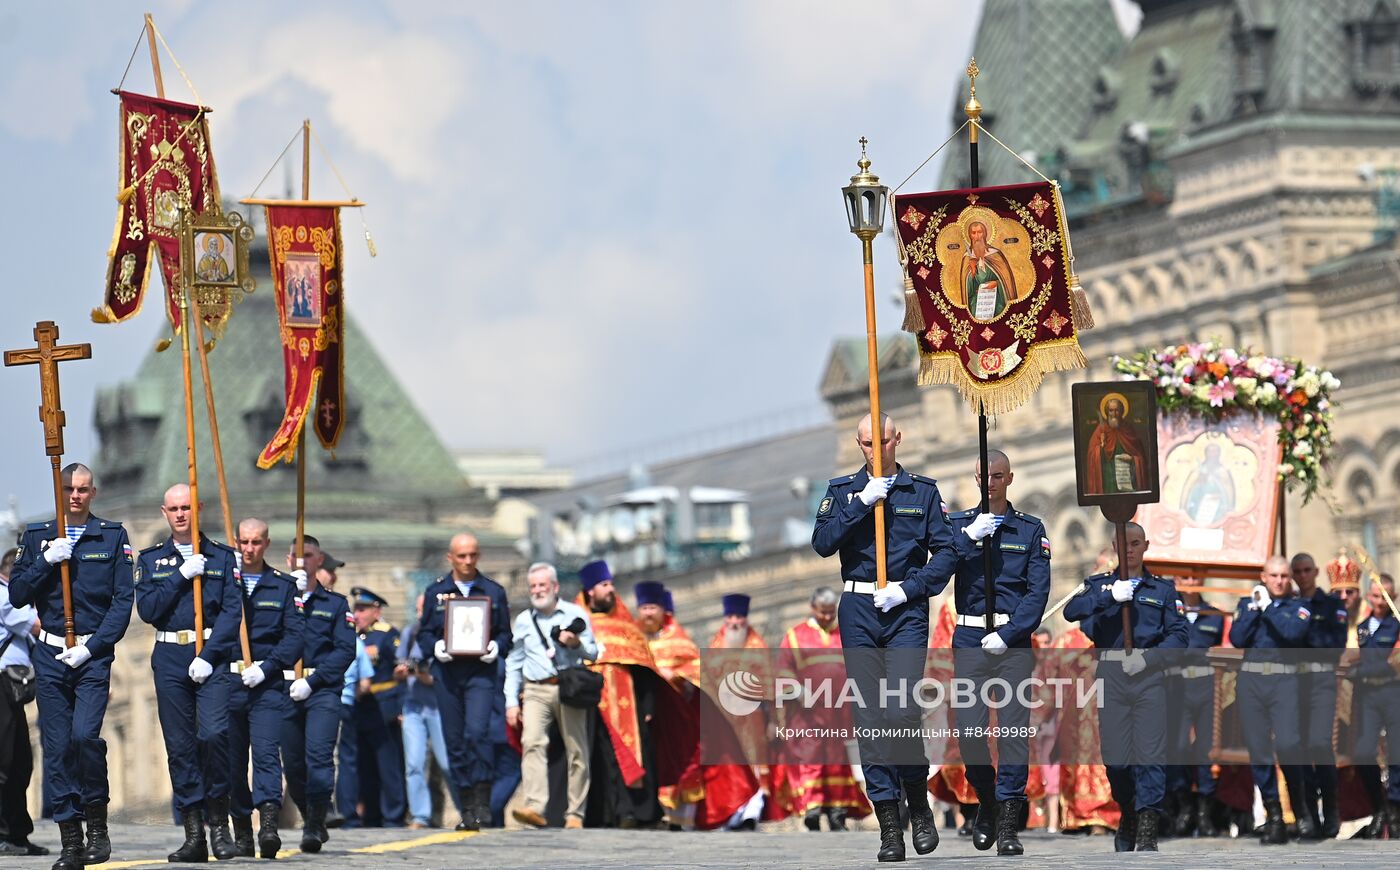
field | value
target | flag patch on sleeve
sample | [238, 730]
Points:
[126, 551]
[1304, 613]
[1045, 546]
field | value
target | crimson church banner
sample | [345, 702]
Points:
[304, 242]
[166, 163]
[991, 305]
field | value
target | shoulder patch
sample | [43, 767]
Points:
[1045, 546]
[825, 507]
[1304, 613]
[380, 625]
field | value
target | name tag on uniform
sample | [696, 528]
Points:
[161, 575]
[1015, 548]
[1209, 629]
[324, 614]
[86, 557]
[908, 511]
[211, 572]
[271, 605]
[1146, 600]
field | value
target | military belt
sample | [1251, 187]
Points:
[970, 621]
[56, 640]
[1268, 668]
[183, 637]
[292, 675]
[1190, 672]
[1380, 681]
[860, 587]
[1316, 668]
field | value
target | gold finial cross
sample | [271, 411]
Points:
[972, 73]
[47, 356]
[863, 142]
[973, 109]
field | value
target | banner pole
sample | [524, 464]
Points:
[301, 436]
[973, 109]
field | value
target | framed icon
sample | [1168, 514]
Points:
[301, 284]
[467, 626]
[1115, 442]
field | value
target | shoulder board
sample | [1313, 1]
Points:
[110, 524]
[35, 527]
[923, 478]
[1103, 576]
[844, 479]
[962, 515]
[153, 548]
[220, 545]
[381, 625]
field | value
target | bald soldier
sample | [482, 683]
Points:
[466, 685]
[192, 704]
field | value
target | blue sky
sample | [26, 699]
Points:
[598, 224]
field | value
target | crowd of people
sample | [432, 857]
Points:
[586, 712]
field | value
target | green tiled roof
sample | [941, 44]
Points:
[1038, 59]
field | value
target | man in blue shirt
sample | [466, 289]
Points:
[18, 628]
[549, 637]
[890, 618]
[1378, 706]
[465, 684]
[1266, 623]
[1133, 720]
[74, 682]
[422, 725]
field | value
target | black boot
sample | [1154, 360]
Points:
[469, 818]
[1205, 820]
[1125, 838]
[969, 812]
[1185, 819]
[1393, 819]
[812, 819]
[1275, 834]
[984, 827]
[99, 843]
[269, 842]
[243, 836]
[70, 834]
[891, 835]
[311, 827]
[483, 804]
[1146, 831]
[1303, 810]
[195, 849]
[220, 840]
[921, 821]
[836, 818]
[1008, 827]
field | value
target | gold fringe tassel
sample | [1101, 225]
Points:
[101, 315]
[1007, 395]
[1080, 311]
[913, 315]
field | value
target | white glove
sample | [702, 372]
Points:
[1134, 662]
[1259, 597]
[301, 689]
[876, 489]
[300, 574]
[993, 644]
[440, 652]
[492, 652]
[200, 670]
[75, 656]
[890, 597]
[58, 550]
[981, 527]
[1122, 590]
[192, 566]
[253, 675]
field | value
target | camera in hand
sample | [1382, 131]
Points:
[577, 627]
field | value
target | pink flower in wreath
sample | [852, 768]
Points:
[1229, 357]
[1221, 392]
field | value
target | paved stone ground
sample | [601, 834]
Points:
[143, 846]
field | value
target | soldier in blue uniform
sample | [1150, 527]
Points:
[1317, 684]
[1133, 720]
[257, 712]
[1268, 623]
[1378, 705]
[1191, 704]
[466, 686]
[916, 525]
[1021, 562]
[193, 708]
[380, 750]
[313, 716]
[73, 684]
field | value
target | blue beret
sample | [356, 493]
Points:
[736, 605]
[594, 573]
[650, 592]
[669, 605]
[360, 595]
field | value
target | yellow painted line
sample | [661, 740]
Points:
[402, 845]
[118, 865]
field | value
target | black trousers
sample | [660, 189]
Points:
[16, 767]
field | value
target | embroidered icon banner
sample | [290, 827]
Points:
[988, 290]
[305, 250]
[166, 164]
